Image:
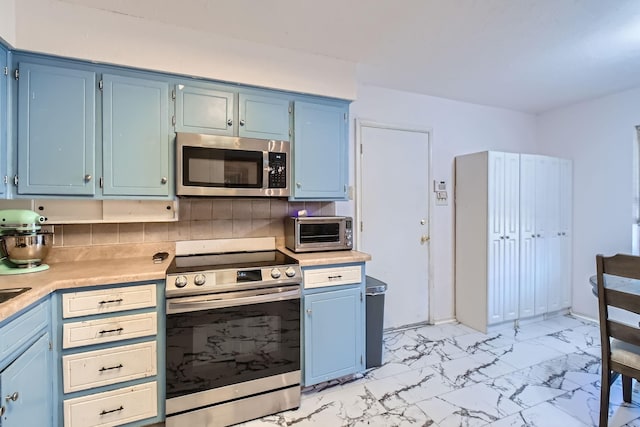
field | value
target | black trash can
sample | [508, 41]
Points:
[375, 316]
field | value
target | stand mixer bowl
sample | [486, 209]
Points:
[26, 250]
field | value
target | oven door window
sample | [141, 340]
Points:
[213, 348]
[213, 167]
[320, 233]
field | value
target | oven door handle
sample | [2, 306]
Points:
[207, 302]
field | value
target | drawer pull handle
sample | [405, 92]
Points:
[335, 277]
[110, 368]
[109, 301]
[113, 410]
[108, 331]
[12, 397]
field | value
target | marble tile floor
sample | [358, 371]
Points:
[545, 373]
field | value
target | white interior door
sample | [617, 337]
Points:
[393, 198]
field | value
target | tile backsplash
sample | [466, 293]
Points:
[206, 218]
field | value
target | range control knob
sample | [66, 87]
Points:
[290, 272]
[275, 273]
[199, 279]
[181, 282]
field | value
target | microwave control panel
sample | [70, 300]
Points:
[277, 170]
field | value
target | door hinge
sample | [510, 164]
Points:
[173, 120]
[173, 94]
[290, 109]
[6, 179]
[361, 226]
[15, 180]
[16, 74]
[101, 182]
[345, 117]
[50, 346]
[6, 71]
[361, 360]
[290, 133]
[361, 296]
[100, 84]
[360, 148]
[345, 189]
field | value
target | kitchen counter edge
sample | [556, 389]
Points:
[308, 259]
[75, 274]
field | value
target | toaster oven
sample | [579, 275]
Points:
[318, 233]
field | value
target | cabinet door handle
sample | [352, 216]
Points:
[163, 180]
[108, 331]
[229, 122]
[109, 301]
[110, 368]
[87, 177]
[309, 311]
[2, 410]
[12, 397]
[299, 184]
[242, 122]
[112, 410]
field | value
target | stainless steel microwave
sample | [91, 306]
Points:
[318, 233]
[213, 165]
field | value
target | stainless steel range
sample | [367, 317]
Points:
[233, 332]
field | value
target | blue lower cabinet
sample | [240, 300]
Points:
[111, 372]
[333, 334]
[26, 371]
[27, 389]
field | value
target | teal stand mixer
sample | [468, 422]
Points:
[23, 245]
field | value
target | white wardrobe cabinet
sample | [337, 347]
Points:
[513, 250]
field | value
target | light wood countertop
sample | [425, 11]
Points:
[108, 265]
[80, 269]
[326, 258]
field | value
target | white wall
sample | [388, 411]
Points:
[457, 128]
[599, 136]
[8, 21]
[69, 30]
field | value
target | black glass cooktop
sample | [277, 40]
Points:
[231, 260]
[7, 294]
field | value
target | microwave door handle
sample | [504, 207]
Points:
[209, 303]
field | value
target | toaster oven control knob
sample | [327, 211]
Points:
[290, 272]
[199, 279]
[275, 273]
[181, 282]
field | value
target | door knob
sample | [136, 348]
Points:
[423, 222]
[163, 180]
[87, 177]
[309, 311]
[424, 239]
[229, 122]
[13, 396]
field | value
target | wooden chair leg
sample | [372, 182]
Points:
[626, 388]
[605, 389]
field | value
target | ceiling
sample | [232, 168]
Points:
[526, 55]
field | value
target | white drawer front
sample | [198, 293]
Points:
[109, 366]
[332, 276]
[108, 300]
[77, 334]
[112, 408]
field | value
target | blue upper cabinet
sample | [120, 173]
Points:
[320, 152]
[4, 103]
[217, 112]
[135, 136]
[56, 130]
[263, 117]
[200, 110]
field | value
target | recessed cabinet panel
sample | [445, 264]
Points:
[263, 117]
[201, 110]
[332, 321]
[135, 129]
[320, 152]
[28, 379]
[56, 130]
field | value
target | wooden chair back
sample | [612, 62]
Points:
[611, 274]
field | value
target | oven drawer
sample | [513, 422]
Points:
[108, 300]
[77, 334]
[109, 366]
[333, 276]
[112, 408]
